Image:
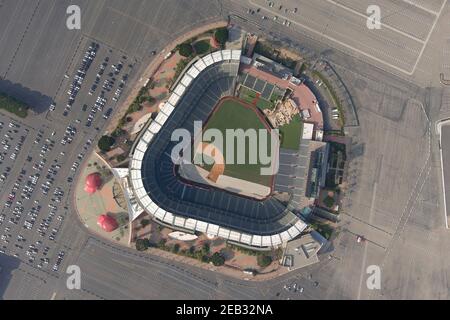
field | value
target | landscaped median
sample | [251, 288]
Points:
[14, 106]
[207, 251]
[102, 207]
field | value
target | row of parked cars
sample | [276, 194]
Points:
[20, 217]
[58, 261]
[68, 135]
[78, 79]
[7, 144]
[108, 84]
[99, 76]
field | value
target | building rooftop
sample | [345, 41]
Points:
[157, 187]
[107, 223]
[93, 182]
[303, 251]
[308, 130]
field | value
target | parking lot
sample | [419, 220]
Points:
[31, 216]
[39, 164]
[403, 42]
[91, 92]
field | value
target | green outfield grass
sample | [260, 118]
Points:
[247, 94]
[264, 104]
[232, 114]
[291, 133]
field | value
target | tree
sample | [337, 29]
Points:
[217, 259]
[117, 132]
[13, 105]
[221, 36]
[162, 243]
[205, 248]
[328, 201]
[202, 46]
[176, 248]
[185, 49]
[135, 106]
[122, 122]
[142, 91]
[122, 218]
[105, 143]
[142, 244]
[150, 99]
[264, 260]
[121, 157]
[144, 223]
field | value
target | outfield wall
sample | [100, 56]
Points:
[292, 228]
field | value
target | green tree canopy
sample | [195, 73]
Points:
[176, 248]
[217, 259]
[221, 35]
[145, 222]
[205, 258]
[264, 260]
[142, 244]
[105, 143]
[185, 49]
[328, 201]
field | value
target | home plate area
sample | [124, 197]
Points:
[211, 173]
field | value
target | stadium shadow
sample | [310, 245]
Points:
[7, 265]
[37, 102]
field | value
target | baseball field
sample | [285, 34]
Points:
[233, 113]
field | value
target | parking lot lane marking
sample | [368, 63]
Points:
[442, 176]
[420, 7]
[158, 30]
[361, 279]
[381, 23]
[407, 72]
[31, 52]
[53, 296]
[363, 264]
[428, 36]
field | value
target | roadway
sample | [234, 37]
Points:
[403, 46]
[393, 151]
[444, 139]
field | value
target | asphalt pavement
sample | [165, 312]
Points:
[394, 172]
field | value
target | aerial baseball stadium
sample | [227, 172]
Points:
[250, 215]
[230, 150]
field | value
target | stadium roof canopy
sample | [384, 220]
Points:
[167, 198]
